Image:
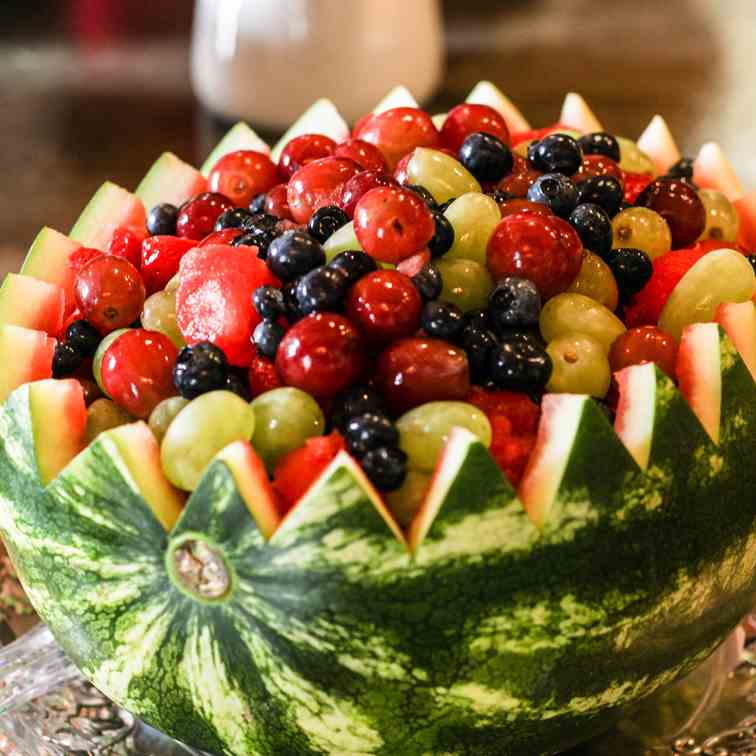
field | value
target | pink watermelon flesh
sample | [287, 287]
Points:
[746, 207]
[25, 355]
[712, 170]
[577, 115]
[739, 323]
[659, 144]
[30, 303]
[634, 422]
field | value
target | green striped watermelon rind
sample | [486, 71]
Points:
[494, 637]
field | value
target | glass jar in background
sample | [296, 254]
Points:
[265, 61]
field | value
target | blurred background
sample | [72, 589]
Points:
[96, 89]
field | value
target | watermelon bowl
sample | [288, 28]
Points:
[500, 621]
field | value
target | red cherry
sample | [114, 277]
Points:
[242, 175]
[644, 344]
[391, 224]
[302, 150]
[385, 305]
[415, 371]
[277, 203]
[226, 236]
[161, 256]
[398, 131]
[82, 256]
[109, 293]
[366, 155]
[634, 184]
[401, 172]
[517, 184]
[196, 218]
[598, 165]
[468, 119]
[679, 204]
[137, 370]
[519, 206]
[547, 250]
[263, 376]
[360, 184]
[321, 354]
[318, 184]
[126, 243]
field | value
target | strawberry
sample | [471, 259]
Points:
[126, 243]
[161, 256]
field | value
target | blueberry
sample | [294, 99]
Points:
[514, 303]
[442, 320]
[556, 153]
[752, 260]
[683, 168]
[424, 194]
[66, 360]
[479, 343]
[555, 191]
[499, 196]
[269, 302]
[631, 267]
[355, 401]
[238, 385]
[386, 467]
[237, 217]
[600, 143]
[293, 313]
[162, 220]
[604, 191]
[594, 227]
[518, 364]
[486, 157]
[321, 289]
[325, 221]
[199, 369]
[428, 282]
[370, 431]
[257, 205]
[267, 336]
[443, 238]
[353, 264]
[293, 254]
[83, 337]
[259, 231]
[478, 318]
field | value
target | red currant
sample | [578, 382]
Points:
[196, 218]
[644, 344]
[392, 224]
[277, 203]
[242, 175]
[126, 243]
[366, 155]
[321, 354]
[263, 376]
[546, 250]
[360, 184]
[398, 131]
[302, 150]
[415, 371]
[469, 119]
[109, 293]
[385, 305]
[137, 370]
[679, 204]
[317, 184]
[597, 165]
[519, 206]
[161, 256]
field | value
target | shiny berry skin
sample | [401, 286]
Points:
[392, 224]
[597, 165]
[683, 168]
[634, 184]
[517, 183]
[386, 467]
[604, 191]
[546, 251]
[109, 293]
[259, 231]
[428, 282]
[127, 244]
[321, 289]
[353, 264]
[242, 175]
[556, 153]
[325, 222]
[555, 191]
[276, 203]
[384, 305]
[257, 205]
[519, 364]
[398, 131]
[443, 238]
[466, 119]
[401, 172]
[517, 206]
[293, 254]
[161, 257]
[414, 371]
[364, 433]
[679, 204]
[82, 257]
[442, 320]
[66, 360]
[197, 217]
[479, 344]
[302, 150]
[161, 220]
[752, 260]
[199, 369]
[137, 370]
[600, 143]
[321, 354]
[316, 184]
[366, 155]
[632, 269]
[594, 228]
[235, 218]
[355, 401]
[269, 302]
[83, 337]
[227, 236]
[514, 303]
[644, 344]
[486, 157]
[263, 376]
[236, 384]
[267, 336]
[359, 185]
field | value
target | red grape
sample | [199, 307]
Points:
[469, 119]
[679, 204]
[242, 175]
[644, 344]
[302, 150]
[518, 184]
[318, 184]
[361, 183]
[263, 376]
[518, 206]
[277, 202]
[196, 218]
[366, 155]
[598, 165]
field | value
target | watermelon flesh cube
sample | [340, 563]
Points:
[239, 137]
[25, 355]
[170, 180]
[577, 115]
[659, 144]
[111, 207]
[636, 410]
[33, 304]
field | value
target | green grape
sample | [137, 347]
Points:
[424, 430]
[642, 228]
[442, 175]
[474, 217]
[723, 275]
[722, 221]
[633, 159]
[576, 313]
[159, 314]
[199, 431]
[467, 283]
[596, 280]
[405, 501]
[104, 414]
[100, 353]
[341, 241]
[285, 419]
[173, 284]
[162, 416]
[580, 366]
